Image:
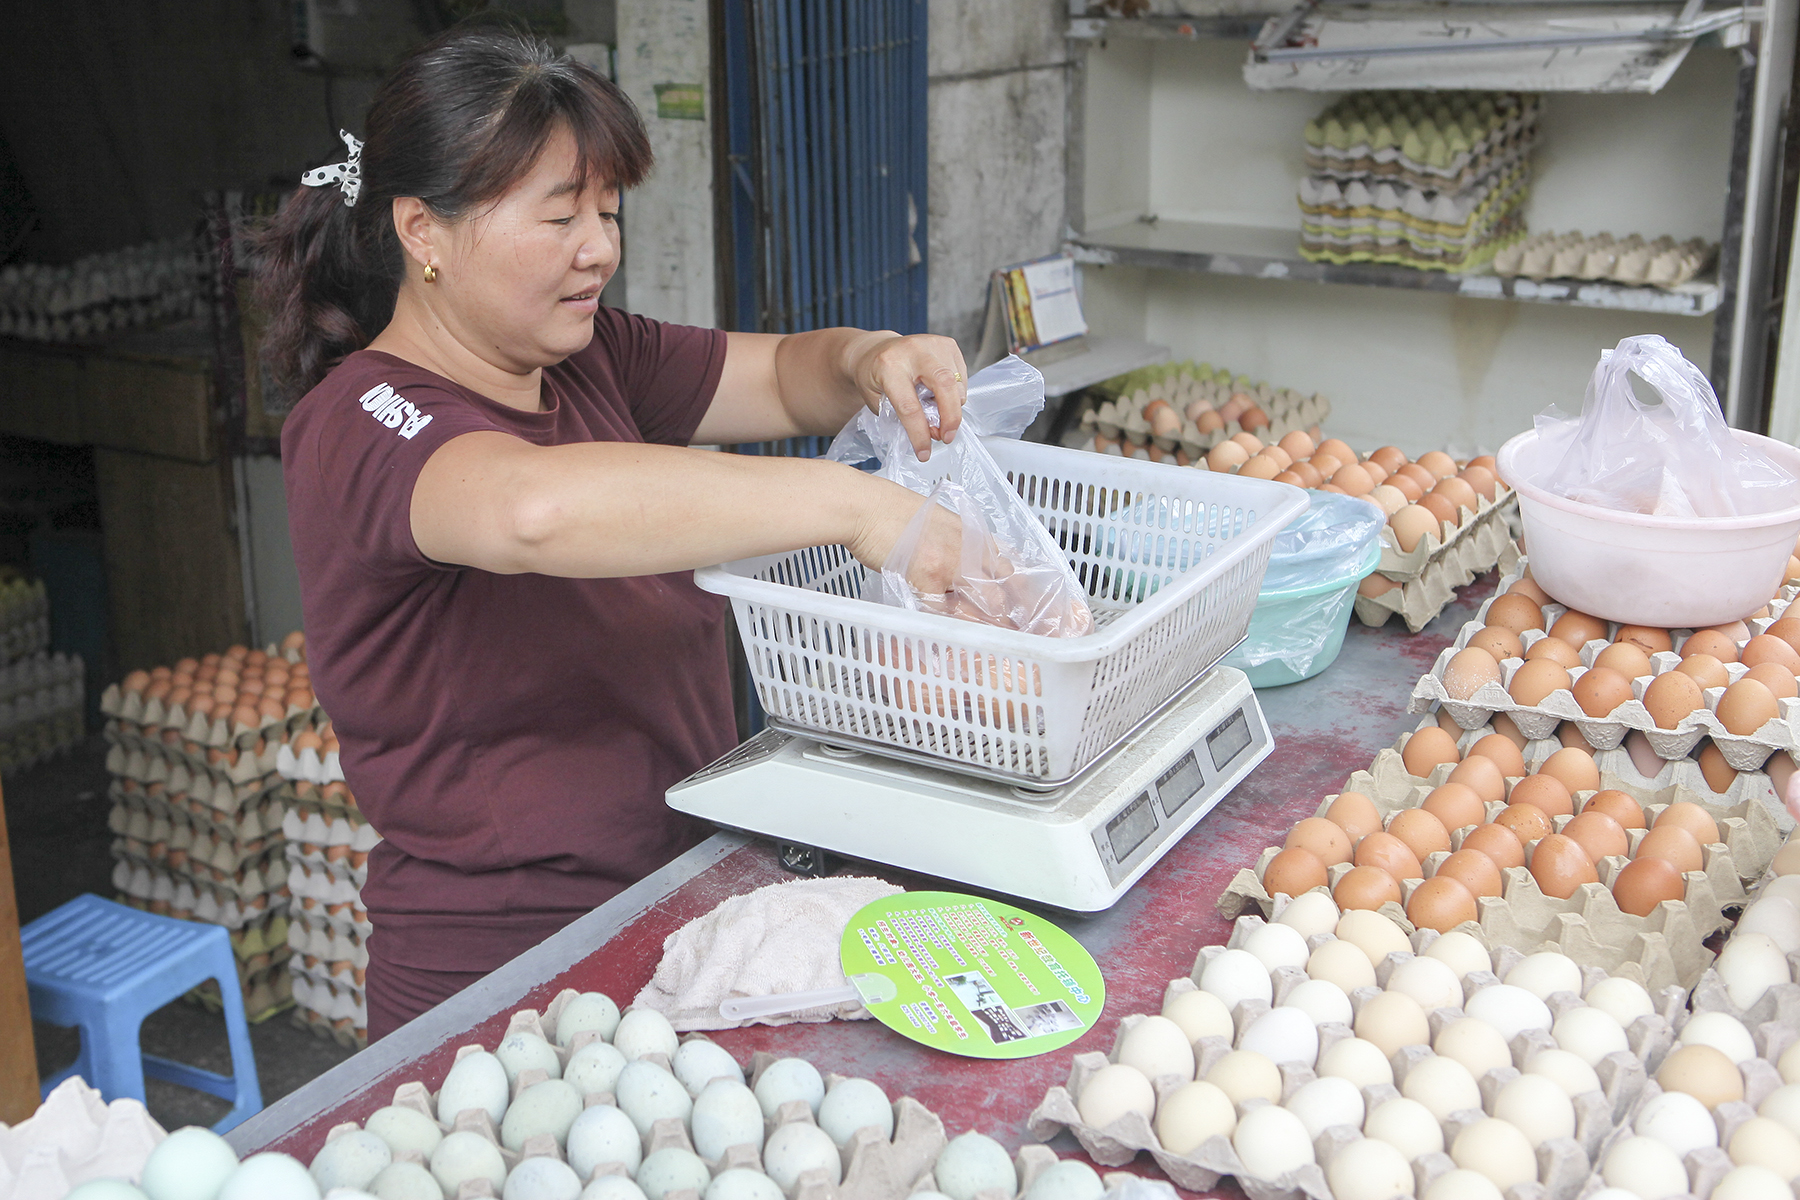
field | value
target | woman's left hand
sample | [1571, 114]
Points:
[888, 366]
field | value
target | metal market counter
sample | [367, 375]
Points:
[1325, 728]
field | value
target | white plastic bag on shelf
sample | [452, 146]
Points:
[1650, 438]
[1012, 573]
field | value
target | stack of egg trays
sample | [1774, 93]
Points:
[42, 708]
[1123, 420]
[328, 844]
[1741, 752]
[1666, 948]
[1630, 260]
[1411, 227]
[24, 618]
[1428, 579]
[1344, 152]
[1565, 1166]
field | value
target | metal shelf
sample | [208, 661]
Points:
[1097, 359]
[1261, 253]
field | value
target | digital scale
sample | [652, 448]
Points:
[1077, 847]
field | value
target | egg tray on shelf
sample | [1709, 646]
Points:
[1420, 599]
[1484, 133]
[1123, 421]
[1741, 752]
[1630, 260]
[1356, 225]
[1565, 1165]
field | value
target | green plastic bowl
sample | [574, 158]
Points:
[1297, 632]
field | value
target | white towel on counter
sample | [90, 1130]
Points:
[780, 938]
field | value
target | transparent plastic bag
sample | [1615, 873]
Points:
[1012, 574]
[1651, 439]
[1331, 537]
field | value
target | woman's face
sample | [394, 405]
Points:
[518, 284]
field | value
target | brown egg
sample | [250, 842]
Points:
[1569, 734]
[1600, 690]
[1448, 724]
[1599, 835]
[1703, 1072]
[1648, 638]
[1715, 770]
[1353, 479]
[1545, 792]
[1338, 449]
[1376, 471]
[1458, 492]
[1483, 460]
[1260, 466]
[1787, 629]
[1426, 748]
[1390, 500]
[1777, 678]
[1673, 843]
[1254, 418]
[1710, 641]
[1411, 525]
[1574, 767]
[1560, 865]
[1327, 464]
[1442, 508]
[1643, 883]
[1503, 725]
[1365, 887]
[1705, 670]
[1504, 753]
[1421, 832]
[1297, 445]
[1323, 839]
[1737, 631]
[1249, 441]
[1293, 480]
[1685, 814]
[1515, 612]
[1670, 697]
[1536, 680]
[1388, 852]
[1746, 707]
[1767, 648]
[1578, 629]
[1622, 807]
[1474, 870]
[1481, 777]
[1226, 456]
[1528, 822]
[1310, 476]
[1441, 903]
[1374, 583]
[1438, 463]
[1499, 642]
[1528, 587]
[1391, 458]
[1456, 804]
[1554, 650]
[1210, 421]
[1498, 843]
[1355, 814]
[1406, 487]
[1470, 670]
[1482, 480]
[1293, 871]
[1419, 475]
[1627, 658]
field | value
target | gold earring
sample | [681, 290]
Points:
[430, 272]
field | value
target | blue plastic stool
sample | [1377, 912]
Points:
[103, 968]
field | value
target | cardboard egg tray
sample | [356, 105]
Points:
[1347, 138]
[1123, 421]
[1564, 1165]
[1355, 224]
[248, 824]
[1421, 599]
[1632, 260]
[330, 1009]
[241, 869]
[1475, 545]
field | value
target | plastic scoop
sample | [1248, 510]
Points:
[869, 989]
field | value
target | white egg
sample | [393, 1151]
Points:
[1723, 1032]
[1283, 1035]
[1369, 1169]
[1788, 1065]
[1442, 1085]
[269, 1176]
[1646, 1168]
[1066, 1180]
[465, 1155]
[351, 1160]
[1678, 1121]
[1785, 886]
[1342, 964]
[1200, 1014]
[594, 1069]
[1751, 1183]
[726, 1114]
[648, 1094]
[1750, 965]
[796, 1148]
[1246, 1075]
[1462, 1185]
[405, 1129]
[740, 1183]
[475, 1081]
[1310, 914]
[1777, 918]
[1112, 1092]
[614, 1187]
[1157, 1047]
[1192, 1113]
[1271, 1141]
[1277, 945]
[1431, 982]
[1783, 1104]
[1321, 1000]
[1407, 1126]
[548, 1107]
[699, 1062]
[1461, 952]
[974, 1163]
[789, 1079]
[406, 1181]
[189, 1164]
[1621, 999]
[105, 1189]
[672, 1169]
[1373, 934]
[1236, 976]
[541, 1179]
[1761, 1142]
[1359, 1061]
[1326, 1103]
[590, 1012]
[1545, 973]
[525, 1051]
[1612, 1193]
[1497, 1149]
[602, 1134]
[856, 1104]
[645, 1031]
[1589, 1034]
[1509, 1009]
[1475, 1044]
[1537, 1108]
[1565, 1070]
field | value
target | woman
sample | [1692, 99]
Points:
[495, 511]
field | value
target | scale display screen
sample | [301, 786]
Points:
[1179, 784]
[1127, 831]
[1229, 739]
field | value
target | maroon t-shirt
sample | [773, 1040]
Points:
[510, 736]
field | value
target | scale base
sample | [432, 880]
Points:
[1079, 847]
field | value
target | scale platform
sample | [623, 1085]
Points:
[1078, 847]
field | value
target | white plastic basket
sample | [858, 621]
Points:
[1172, 559]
